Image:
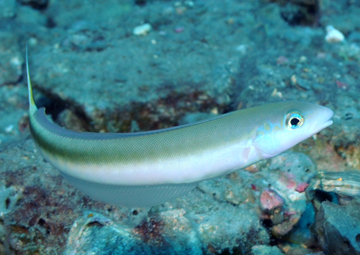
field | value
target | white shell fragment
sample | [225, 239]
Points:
[333, 35]
[142, 30]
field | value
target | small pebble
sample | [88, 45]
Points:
[9, 128]
[241, 48]
[293, 80]
[302, 59]
[276, 93]
[142, 30]
[333, 35]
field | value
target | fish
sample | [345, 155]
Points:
[345, 183]
[148, 168]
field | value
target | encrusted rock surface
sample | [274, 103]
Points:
[200, 57]
[338, 228]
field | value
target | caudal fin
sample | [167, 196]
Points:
[32, 106]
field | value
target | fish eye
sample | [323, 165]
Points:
[294, 120]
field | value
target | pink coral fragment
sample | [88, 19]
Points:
[270, 200]
[301, 187]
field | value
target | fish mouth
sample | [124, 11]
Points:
[325, 120]
[326, 124]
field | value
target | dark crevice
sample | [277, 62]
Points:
[54, 105]
[36, 4]
[148, 116]
[50, 23]
[140, 2]
[300, 13]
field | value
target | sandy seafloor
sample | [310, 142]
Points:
[200, 58]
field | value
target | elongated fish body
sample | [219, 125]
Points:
[149, 168]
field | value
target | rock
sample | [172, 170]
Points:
[338, 228]
[269, 200]
[333, 35]
[49, 207]
[7, 8]
[301, 234]
[142, 30]
[85, 54]
[11, 60]
[13, 100]
[169, 233]
[172, 231]
[338, 186]
[293, 169]
[32, 19]
[157, 103]
[265, 250]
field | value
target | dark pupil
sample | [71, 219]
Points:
[294, 121]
